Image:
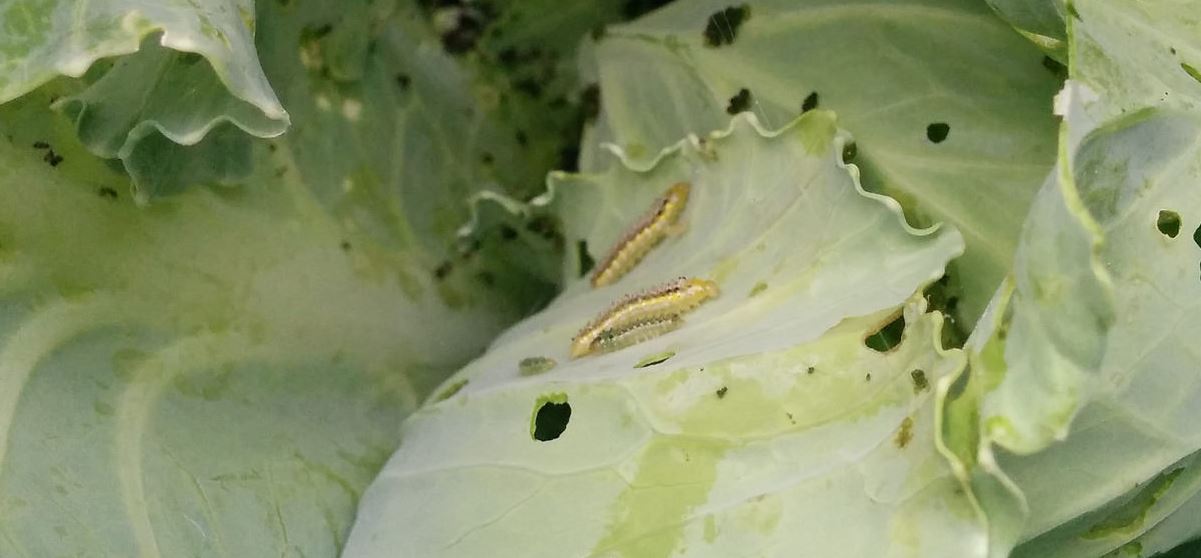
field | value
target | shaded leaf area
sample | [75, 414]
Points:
[224, 370]
[189, 68]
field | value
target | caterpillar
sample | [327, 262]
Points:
[643, 235]
[634, 333]
[641, 311]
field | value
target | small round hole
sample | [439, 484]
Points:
[937, 132]
[1168, 223]
[551, 415]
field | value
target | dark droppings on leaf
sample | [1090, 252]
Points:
[739, 102]
[521, 138]
[810, 102]
[722, 27]
[487, 158]
[811, 370]
[920, 383]
[403, 81]
[551, 418]
[867, 377]
[721, 392]
[345, 246]
[443, 270]
[937, 131]
[1168, 223]
[887, 337]
[106, 192]
[52, 158]
[41, 145]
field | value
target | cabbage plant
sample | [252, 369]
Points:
[302, 278]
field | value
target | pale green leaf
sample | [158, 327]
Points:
[763, 425]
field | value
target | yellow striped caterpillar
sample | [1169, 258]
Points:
[640, 316]
[643, 235]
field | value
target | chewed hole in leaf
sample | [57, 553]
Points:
[586, 263]
[740, 102]
[887, 337]
[937, 132]
[1168, 223]
[722, 27]
[810, 102]
[657, 358]
[551, 414]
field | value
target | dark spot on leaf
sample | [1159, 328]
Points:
[551, 418]
[345, 246]
[810, 102]
[597, 33]
[887, 337]
[507, 232]
[544, 226]
[849, 151]
[41, 145]
[867, 377]
[721, 392]
[1191, 71]
[919, 380]
[811, 370]
[443, 270]
[403, 81]
[722, 27]
[106, 192]
[487, 158]
[52, 158]
[521, 138]
[739, 102]
[1168, 223]
[937, 132]
[586, 261]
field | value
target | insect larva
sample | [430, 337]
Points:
[664, 301]
[632, 334]
[643, 235]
